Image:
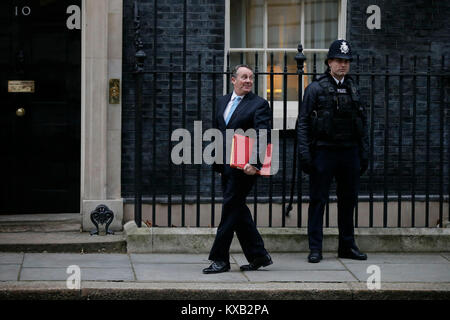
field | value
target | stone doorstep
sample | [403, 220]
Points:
[25, 218]
[59, 222]
[200, 240]
[41, 227]
[61, 242]
[59, 232]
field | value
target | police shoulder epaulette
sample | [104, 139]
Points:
[321, 77]
[350, 80]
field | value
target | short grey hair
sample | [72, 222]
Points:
[236, 68]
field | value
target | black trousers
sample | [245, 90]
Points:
[236, 217]
[343, 165]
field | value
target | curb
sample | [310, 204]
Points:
[222, 291]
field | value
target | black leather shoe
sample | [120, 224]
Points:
[314, 256]
[352, 253]
[217, 267]
[258, 263]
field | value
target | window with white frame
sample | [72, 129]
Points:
[271, 28]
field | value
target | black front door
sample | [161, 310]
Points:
[40, 98]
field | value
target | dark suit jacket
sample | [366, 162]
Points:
[252, 112]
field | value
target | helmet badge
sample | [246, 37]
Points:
[344, 47]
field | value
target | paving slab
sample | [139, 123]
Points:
[184, 272]
[399, 258]
[54, 260]
[11, 258]
[91, 274]
[9, 272]
[391, 272]
[169, 258]
[296, 262]
[179, 276]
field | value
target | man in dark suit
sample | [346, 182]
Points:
[244, 110]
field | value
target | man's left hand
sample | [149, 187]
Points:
[249, 169]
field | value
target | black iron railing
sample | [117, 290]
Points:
[408, 117]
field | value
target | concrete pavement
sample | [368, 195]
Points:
[178, 276]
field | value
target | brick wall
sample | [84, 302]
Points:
[205, 37]
[407, 28]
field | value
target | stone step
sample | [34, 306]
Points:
[200, 240]
[63, 242]
[62, 222]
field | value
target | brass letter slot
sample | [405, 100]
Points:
[25, 86]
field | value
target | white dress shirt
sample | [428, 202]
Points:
[227, 109]
[339, 81]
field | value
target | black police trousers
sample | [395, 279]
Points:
[236, 217]
[343, 164]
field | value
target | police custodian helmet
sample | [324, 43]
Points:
[339, 49]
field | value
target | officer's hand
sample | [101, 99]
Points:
[249, 169]
[363, 166]
[307, 166]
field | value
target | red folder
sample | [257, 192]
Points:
[241, 150]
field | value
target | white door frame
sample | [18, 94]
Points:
[100, 120]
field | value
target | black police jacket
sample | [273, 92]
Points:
[307, 139]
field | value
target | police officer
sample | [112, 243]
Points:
[333, 143]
